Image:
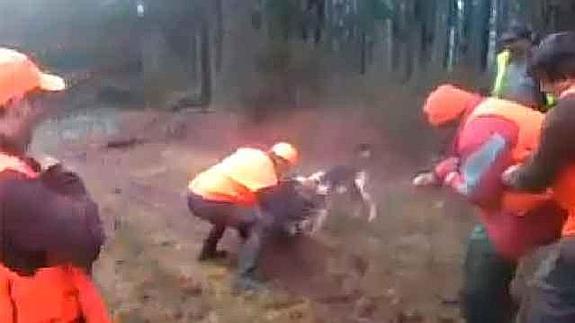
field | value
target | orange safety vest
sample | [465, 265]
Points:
[55, 294]
[564, 188]
[529, 123]
[236, 178]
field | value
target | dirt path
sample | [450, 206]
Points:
[403, 268]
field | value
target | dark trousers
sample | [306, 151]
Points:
[487, 277]
[247, 220]
[552, 293]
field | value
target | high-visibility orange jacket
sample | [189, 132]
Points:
[236, 178]
[494, 135]
[528, 123]
[62, 293]
[56, 294]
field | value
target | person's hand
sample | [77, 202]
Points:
[508, 174]
[447, 166]
[424, 179]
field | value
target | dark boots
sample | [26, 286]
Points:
[210, 248]
[207, 254]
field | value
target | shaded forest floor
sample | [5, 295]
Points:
[405, 267]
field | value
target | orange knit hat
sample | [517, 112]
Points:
[448, 103]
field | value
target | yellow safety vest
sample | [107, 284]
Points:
[503, 60]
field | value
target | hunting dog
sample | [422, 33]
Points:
[346, 189]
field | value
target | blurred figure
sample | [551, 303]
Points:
[229, 194]
[50, 231]
[553, 166]
[492, 135]
[512, 81]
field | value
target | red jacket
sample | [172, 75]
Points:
[484, 147]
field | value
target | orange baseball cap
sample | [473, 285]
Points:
[19, 75]
[448, 103]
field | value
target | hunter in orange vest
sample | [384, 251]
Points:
[491, 135]
[227, 195]
[50, 231]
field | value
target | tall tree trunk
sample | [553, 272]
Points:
[389, 45]
[363, 53]
[455, 30]
[206, 64]
[398, 38]
[503, 15]
[194, 54]
[441, 34]
[428, 17]
[482, 33]
[410, 44]
[219, 34]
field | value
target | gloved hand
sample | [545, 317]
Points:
[425, 179]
